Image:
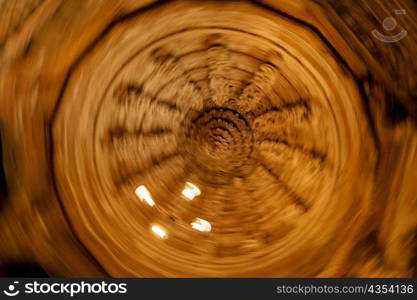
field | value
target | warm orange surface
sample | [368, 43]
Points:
[209, 138]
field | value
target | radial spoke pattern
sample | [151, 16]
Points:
[208, 150]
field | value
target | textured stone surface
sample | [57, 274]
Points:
[295, 123]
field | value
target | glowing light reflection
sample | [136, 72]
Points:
[144, 195]
[201, 225]
[191, 191]
[159, 231]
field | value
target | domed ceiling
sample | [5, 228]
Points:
[209, 138]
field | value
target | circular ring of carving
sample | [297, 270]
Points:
[248, 106]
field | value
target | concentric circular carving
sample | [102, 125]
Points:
[248, 110]
[220, 145]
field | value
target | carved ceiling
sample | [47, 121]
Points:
[209, 138]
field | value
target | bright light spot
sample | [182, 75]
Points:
[190, 191]
[144, 195]
[188, 194]
[159, 231]
[201, 225]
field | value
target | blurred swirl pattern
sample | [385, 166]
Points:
[209, 138]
